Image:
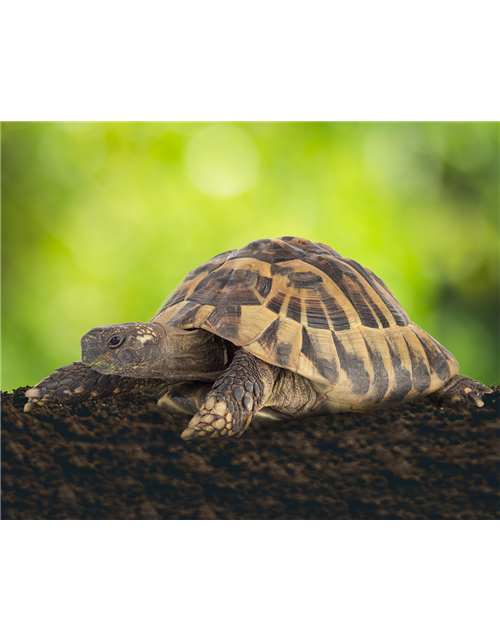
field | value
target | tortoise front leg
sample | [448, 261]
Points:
[236, 396]
[78, 382]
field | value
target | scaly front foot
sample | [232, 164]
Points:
[78, 382]
[235, 398]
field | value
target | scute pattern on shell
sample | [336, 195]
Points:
[302, 306]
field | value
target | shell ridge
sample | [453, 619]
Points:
[394, 307]
[438, 362]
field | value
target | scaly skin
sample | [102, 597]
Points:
[460, 394]
[247, 385]
[236, 396]
[78, 382]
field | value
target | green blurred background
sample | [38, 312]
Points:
[101, 220]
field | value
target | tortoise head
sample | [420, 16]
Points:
[130, 349]
[154, 350]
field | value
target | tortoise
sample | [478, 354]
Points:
[280, 329]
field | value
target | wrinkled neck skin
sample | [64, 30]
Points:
[153, 350]
[191, 355]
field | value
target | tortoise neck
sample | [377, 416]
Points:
[191, 354]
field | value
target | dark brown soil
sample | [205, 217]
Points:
[123, 458]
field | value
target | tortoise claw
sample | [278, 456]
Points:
[484, 389]
[34, 393]
[34, 396]
[477, 401]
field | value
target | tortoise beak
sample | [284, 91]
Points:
[92, 347]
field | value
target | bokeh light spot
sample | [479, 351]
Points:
[222, 160]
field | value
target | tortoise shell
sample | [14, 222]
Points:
[302, 306]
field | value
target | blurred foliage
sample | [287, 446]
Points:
[101, 220]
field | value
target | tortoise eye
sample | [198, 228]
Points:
[115, 341]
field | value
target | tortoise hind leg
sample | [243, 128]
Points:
[460, 393]
[234, 399]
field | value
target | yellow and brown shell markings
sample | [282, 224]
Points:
[302, 306]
